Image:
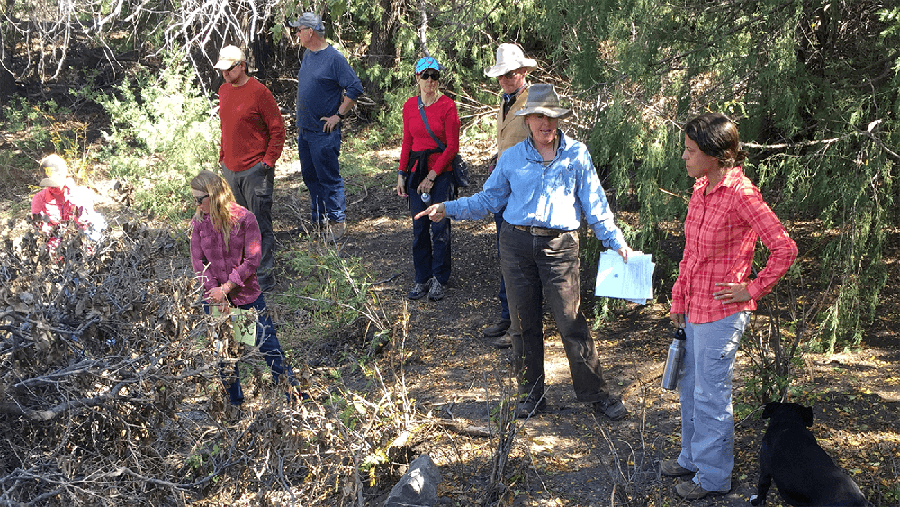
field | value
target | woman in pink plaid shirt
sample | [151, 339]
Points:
[713, 296]
[225, 254]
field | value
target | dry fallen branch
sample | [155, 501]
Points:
[111, 390]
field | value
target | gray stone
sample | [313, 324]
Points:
[418, 486]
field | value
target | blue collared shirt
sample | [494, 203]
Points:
[553, 196]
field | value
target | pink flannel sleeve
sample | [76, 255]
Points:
[197, 258]
[678, 304]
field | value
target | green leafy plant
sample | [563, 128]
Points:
[773, 365]
[162, 118]
[203, 454]
[893, 493]
[776, 340]
[605, 311]
[330, 291]
[44, 127]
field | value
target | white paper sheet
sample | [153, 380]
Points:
[632, 281]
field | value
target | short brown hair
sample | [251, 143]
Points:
[717, 136]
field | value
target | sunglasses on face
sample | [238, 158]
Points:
[433, 75]
[509, 75]
[199, 199]
[232, 67]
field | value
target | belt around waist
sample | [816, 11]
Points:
[539, 231]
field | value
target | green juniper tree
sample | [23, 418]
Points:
[813, 85]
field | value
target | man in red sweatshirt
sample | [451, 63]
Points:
[251, 143]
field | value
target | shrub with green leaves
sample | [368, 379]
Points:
[162, 132]
[41, 125]
[329, 292]
[812, 86]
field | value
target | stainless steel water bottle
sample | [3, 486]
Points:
[673, 362]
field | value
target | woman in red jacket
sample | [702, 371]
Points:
[425, 176]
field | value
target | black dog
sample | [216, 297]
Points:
[803, 472]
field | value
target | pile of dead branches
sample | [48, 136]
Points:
[111, 393]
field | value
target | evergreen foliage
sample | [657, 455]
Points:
[463, 36]
[812, 83]
[166, 116]
[813, 86]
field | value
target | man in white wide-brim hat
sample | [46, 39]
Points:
[546, 184]
[511, 71]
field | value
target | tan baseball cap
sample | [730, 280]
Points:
[228, 57]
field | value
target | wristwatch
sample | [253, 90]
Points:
[341, 116]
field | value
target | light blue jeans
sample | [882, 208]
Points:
[707, 419]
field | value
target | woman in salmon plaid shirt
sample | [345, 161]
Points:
[713, 296]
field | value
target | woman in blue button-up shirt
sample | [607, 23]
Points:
[547, 183]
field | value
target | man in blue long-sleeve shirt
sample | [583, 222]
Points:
[547, 182]
[327, 89]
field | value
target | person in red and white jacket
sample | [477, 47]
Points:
[62, 201]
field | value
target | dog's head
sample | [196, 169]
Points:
[787, 412]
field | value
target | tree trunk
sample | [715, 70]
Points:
[7, 84]
[383, 49]
[423, 28]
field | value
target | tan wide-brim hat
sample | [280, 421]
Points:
[509, 57]
[542, 99]
[56, 170]
[229, 56]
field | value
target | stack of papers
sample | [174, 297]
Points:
[632, 282]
